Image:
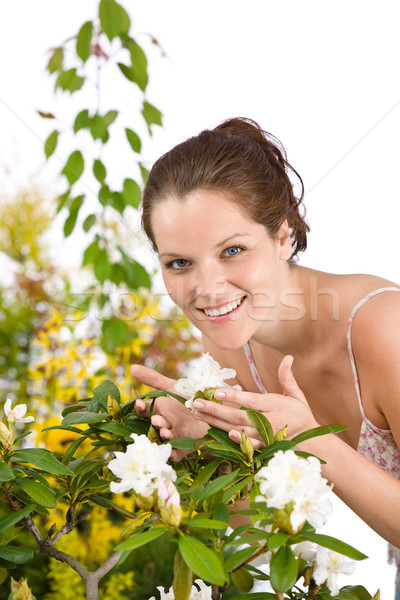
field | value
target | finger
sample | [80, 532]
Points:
[160, 422]
[152, 378]
[236, 435]
[217, 415]
[142, 408]
[240, 398]
[287, 380]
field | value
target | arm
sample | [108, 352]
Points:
[369, 491]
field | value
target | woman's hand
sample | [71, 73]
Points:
[171, 418]
[289, 408]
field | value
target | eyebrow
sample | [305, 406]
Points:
[219, 245]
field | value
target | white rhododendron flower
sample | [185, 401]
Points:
[16, 414]
[306, 550]
[203, 592]
[289, 478]
[208, 374]
[141, 467]
[329, 565]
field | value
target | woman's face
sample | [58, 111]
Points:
[222, 269]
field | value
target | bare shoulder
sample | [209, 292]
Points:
[376, 346]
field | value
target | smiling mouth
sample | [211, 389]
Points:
[223, 310]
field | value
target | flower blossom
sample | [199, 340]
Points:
[203, 377]
[290, 479]
[141, 467]
[203, 592]
[16, 414]
[329, 565]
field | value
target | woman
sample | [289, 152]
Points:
[223, 212]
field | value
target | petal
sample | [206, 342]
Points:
[7, 407]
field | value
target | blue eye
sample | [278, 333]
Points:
[179, 263]
[233, 250]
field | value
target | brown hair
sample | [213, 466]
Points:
[240, 160]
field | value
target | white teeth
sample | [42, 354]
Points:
[214, 312]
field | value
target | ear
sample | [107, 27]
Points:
[285, 243]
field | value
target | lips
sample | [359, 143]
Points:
[223, 310]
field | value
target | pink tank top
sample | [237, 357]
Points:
[378, 445]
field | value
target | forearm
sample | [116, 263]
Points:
[370, 492]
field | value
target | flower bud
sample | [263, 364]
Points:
[169, 503]
[246, 446]
[6, 436]
[281, 434]
[113, 408]
[153, 435]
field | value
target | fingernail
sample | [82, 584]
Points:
[219, 394]
[198, 404]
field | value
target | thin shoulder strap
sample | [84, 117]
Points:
[349, 346]
[253, 368]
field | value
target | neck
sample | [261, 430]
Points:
[295, 325]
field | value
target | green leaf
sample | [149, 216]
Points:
[115, 428]
[107, 387]
[6, 472]
[99, 125]
[114, 19]
[151, 115]
[56, 61]
[99, 170]
[42, 459]
[51, 143]
[101, 266]
[138, 69]
[82, 120]
[207, 523]
[255, 596]
[74, 167]
[262, 425]
[131, 193]
[140, 539]
[242, 580]
[136, 274]
[183, 443]
[15, 517]
[69, 81]
[239, 557]
[16, 554]
[316, 431]
[358, 591]
[183, 578]
[78, 418]
[206, 472]
[283, 569]
[70, 221]
[91, 252]
[218, 484]
[72, 449]
[114, 333]
[40, 494]
[89, 222]
[83, 41]
[277, 540]
[223, 438]
[333, 544]
[202, 559]
[134, 140]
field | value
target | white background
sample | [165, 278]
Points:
[323, 76]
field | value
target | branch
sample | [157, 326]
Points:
[68, 527]
[107, 566]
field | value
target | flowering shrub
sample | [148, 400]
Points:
[188, 503]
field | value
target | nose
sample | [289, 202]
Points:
[210, 282]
